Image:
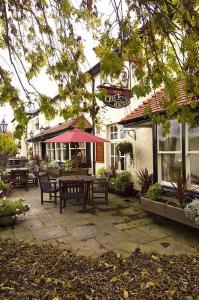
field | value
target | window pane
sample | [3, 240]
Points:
[193, 135]
[112, 149]
[65, 151]
[194, 169]
[112, 162]
[171, 142]
[122, 162]
[171, 165]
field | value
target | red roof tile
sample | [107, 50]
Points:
[72, 123]
[154, 103]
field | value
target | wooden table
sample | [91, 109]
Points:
[8, 170]
[86, 178]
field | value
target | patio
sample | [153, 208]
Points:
[122, 226]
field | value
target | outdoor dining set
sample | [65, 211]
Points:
[76, 189]
[73, 187]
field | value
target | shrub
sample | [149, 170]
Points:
[144, 180]
[69, 165]
[8, 207]
[101, 171]
[4, 186]
[122, 178]
[154, 191]
[180, 190]
[192, 211]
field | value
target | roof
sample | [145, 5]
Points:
[153, 103]
[71, 123]
[95, 69]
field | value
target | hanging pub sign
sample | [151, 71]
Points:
[117, 94]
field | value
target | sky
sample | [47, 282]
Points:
[42, 82]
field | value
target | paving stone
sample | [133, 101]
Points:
[140, 222]
[83, 232]
[129, 211]
[172, 247]
[123, 226]
[155, 230]
[47, 233]
[89, 248]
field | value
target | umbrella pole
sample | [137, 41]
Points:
[76, 160]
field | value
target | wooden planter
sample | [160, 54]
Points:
[171, 212]
[7, 220]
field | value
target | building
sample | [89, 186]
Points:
[164, 157]
[175, 154]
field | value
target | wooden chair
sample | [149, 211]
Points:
[33, 176]
[19, 178]
[48, 187]
[75, 190]
[100, 189]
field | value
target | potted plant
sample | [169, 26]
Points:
[125, 148]
[101, 172]
[122, 183]
[144, 180]
[10, 210]
[6, 187]
[170, 207]
[69, 165]
[111, 179]
[192, 211]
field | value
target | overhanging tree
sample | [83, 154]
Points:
[160, 39]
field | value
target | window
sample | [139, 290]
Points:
[77, 148]
[170, 153]
[48, 150]
[52, 151]
[193, 154]
[116, 136]
[114, 133]
[58, 152]
[64, 151]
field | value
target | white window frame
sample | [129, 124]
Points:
[187, 160]
[160, 152]
[120, 137]
[82, 146]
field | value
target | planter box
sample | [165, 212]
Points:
[171, 212]
[7, 220]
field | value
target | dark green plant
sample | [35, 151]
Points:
[4, 186]
[154, 191]
[144, 180]
[8, 207]
[125, 148]
[5, 178]
[69, 164]
[180, 190]
[122, 178]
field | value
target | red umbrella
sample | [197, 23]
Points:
[76, 136]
